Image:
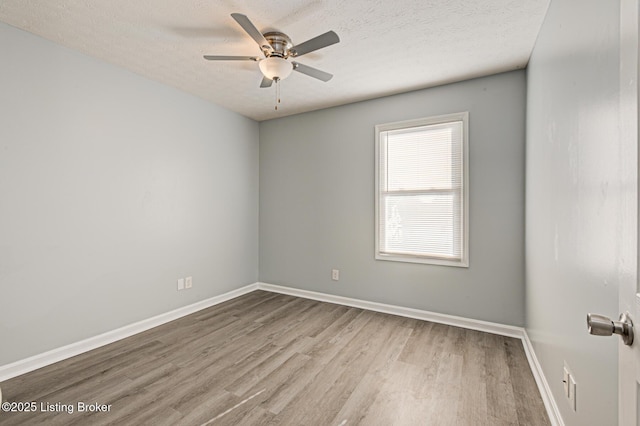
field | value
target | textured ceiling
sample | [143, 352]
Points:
[386, 46]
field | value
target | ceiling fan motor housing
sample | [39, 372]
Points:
[280, 45]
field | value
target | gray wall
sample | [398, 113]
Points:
[111, 188]
[577, 226]
[317, 202]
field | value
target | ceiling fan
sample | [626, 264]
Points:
[277, 48]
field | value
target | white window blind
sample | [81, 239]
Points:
[421, 191]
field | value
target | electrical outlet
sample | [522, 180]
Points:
[335, 274]
[188, 282]
[181, 284]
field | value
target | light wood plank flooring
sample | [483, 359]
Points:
[271, 359]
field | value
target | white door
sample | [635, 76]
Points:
[629, 356]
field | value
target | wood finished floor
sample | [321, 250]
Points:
[271, 359]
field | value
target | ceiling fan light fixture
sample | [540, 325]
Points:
[275, 68]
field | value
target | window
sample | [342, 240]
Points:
[422, 191]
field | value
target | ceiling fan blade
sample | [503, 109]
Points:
[251, 29]
[266, 82]
[230, 58]
[311, 72]
[323, 40]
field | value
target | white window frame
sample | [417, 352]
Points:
[433, 260]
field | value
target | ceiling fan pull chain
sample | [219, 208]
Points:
[277, 80]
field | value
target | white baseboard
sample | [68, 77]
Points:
[487, 327]
[26, 365]
[543, 386]
[17, 368]
[472, 324]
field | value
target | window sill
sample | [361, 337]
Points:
[464, 263]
